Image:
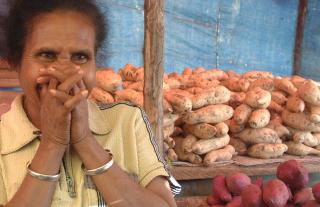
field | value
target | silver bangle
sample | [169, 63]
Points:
[101, 169]
[50, 178]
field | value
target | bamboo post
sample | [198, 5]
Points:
[153, 66]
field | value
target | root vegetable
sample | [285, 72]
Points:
[234, 127]
[259, 118]
[180, 103]
[302, 196]
[311, 203]
[275, 193]
[251, 196]
[209, 114]
[177, 131]
[242, 113]
[224, 154]
[300, 149]
[170, 142]
[169, 119]
[236, 202]
[314, 113]
[258, 182]
[295, 104]
[233, 74]
[102, 96]
[236, 182]
[172, 155]
[252, 74]
[187, 72]
[297, 81]
[137, 86]
[131, 73]
[310, 92]
[240, 146]
[258, 98]
[217, 95]
[264, 83]
[108, 80]
[213, 200]
[236, 99]
[188, 142]
[299, 121]
[267, 151]
[172, 83]
[131, 96]
[260, 135]
[222, 129]
[285, 85]
[316, 191]
[195, 90]
[219, 188]
[236, 84]
[307, 138]
[202, 131]
[190, 157]
[273, 106]
[204, 146]
[281, 130]
[278, 97]
[167, 108]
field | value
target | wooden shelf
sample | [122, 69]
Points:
[193, 173]
[193, 201]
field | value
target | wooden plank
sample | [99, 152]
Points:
[9, 83]
[194, 201]
[303, 4]
[153, 66]
[191, 173]
[10, 74]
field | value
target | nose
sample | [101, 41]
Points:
[63, 64]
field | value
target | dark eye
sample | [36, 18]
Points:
[80, 58]
[47, 56]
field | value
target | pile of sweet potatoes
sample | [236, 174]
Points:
[289, 189]
[211, 115]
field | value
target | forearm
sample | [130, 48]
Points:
[34, 192]
[115, 185]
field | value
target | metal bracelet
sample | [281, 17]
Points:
[50, 178]
[101, 169]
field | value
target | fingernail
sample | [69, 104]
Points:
[53, 92]
[39, 79]
[84, 93]
[52, 69]
[42, 70]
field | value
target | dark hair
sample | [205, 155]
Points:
[23, 12]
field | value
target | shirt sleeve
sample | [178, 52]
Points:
[3, 195]
[150, 162]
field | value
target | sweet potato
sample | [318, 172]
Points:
[236, 182]
[236, 84]
[295, 104]
[251, 196]
[108, 80]
[202, 130]
[317, 147]
[137, 86]
[168, 130]
[234, 127]
[299, 121]
[301, 149]
[314, 113]
[264, 83]
[253, 74]
[222, 129]
[236, 99]
[169, 119]
[170, 142]
[213, 200]
[273, 106]
[102, 96]
[209, 114]
[285, 85]
[233, 74]
[180, 103]
[242, 113]
[217, 74]
[297, 81]
[204, 146]
[258, 98]
[307, 138]
[259, 118]
[172, 83]
[316, 191]
[131, 96]
[219, 188]
[258, 182]
[278, 97]
[311, 203]
[217, 95]
[224, 154]
[281, 130]
[131, 73]
[310, 92]
[172, 155]
[302, 196]
[195, 90]
[188, 142]
[275, 193]
[165, 147]
[190, 157]
[267, 151]
[239, 146]
[187, 71]
[260, 135]
[235, 202]
[275, 117]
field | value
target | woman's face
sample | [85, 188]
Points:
[62, 39]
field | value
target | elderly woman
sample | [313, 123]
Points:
[58, 149]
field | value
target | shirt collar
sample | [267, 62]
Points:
[17, 131]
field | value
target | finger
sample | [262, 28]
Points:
[53, 83]
[71, 103]
[61, 96]
[82, 86]
[52, 72]
[43, 79]
[43, 91]
[69, 83]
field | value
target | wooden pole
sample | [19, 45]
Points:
[299, 36]
[153, 66]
